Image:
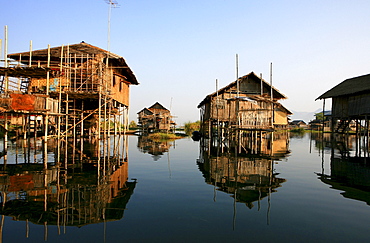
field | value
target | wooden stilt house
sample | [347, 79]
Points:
[350, 102]
[155, 119]
[75, 86]
[250, 103]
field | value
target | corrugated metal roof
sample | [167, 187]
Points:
[348, 87]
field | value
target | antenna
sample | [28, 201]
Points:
[114, 4]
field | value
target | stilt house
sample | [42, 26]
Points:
[69, 86]
[250, 103]
[155, 118]
[350, 102]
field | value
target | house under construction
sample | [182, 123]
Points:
[249, 103]
[247, 107]
[75, 89]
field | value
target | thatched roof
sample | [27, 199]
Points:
[283, 108]
[157, 106]
[146, 111]
[266, 86]
[351, 86]
[78, 49]
[81, 50]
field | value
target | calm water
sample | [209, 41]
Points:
[298, 190]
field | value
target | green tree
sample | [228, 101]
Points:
[132, 125]
[191, 127]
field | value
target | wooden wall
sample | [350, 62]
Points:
[359, 105]
[280, 117]
[120, 90]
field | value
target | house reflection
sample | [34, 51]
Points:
[349, 166]
[78, 188]
[339, 143]
[350, 175]
[155, 147]
[248, 177]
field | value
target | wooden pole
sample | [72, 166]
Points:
[261, 84]
[99, 117]
[46, 118]
[323, 115]
[59, 107]
[6, 46]
[217, 104]
[82, 119]
[272, 99]
[66, 117]
[6, 91]
[237, 74]
[366, 136]
[30, 60]
[1, 49]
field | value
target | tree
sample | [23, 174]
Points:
[192, 126]
[132, 124]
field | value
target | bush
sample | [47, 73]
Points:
[163, 136]
[298, 130]
[191, 127]
[132, 125]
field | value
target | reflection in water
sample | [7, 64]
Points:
[349, 165]
[155, 147]
[85, 183]
[248, 176]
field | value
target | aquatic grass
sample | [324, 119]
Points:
[164, 136]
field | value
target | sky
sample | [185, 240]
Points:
[178, 49]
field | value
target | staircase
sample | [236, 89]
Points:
[342, 126]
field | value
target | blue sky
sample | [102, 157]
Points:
[177, 49]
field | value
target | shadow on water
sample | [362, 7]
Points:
[76, 187]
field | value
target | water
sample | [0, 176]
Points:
[183, 195]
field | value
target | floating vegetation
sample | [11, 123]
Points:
[165, 136]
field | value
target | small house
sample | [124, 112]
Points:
[249, 103]
[156, 119]
[298, 124]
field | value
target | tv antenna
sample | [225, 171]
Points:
[114, 4]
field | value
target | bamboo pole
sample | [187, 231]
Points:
[59, 108]
[217, 117]
[46, 118]
[6, 92]
[30, 59]
[67, 78]
[6, 46]
[81, 135]
[99, 117]
[82, 119]
[2, 227]
[237, 74]
[272, 99]
[261, 84]
[1, 49]
[323, 115]
[88, 71]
